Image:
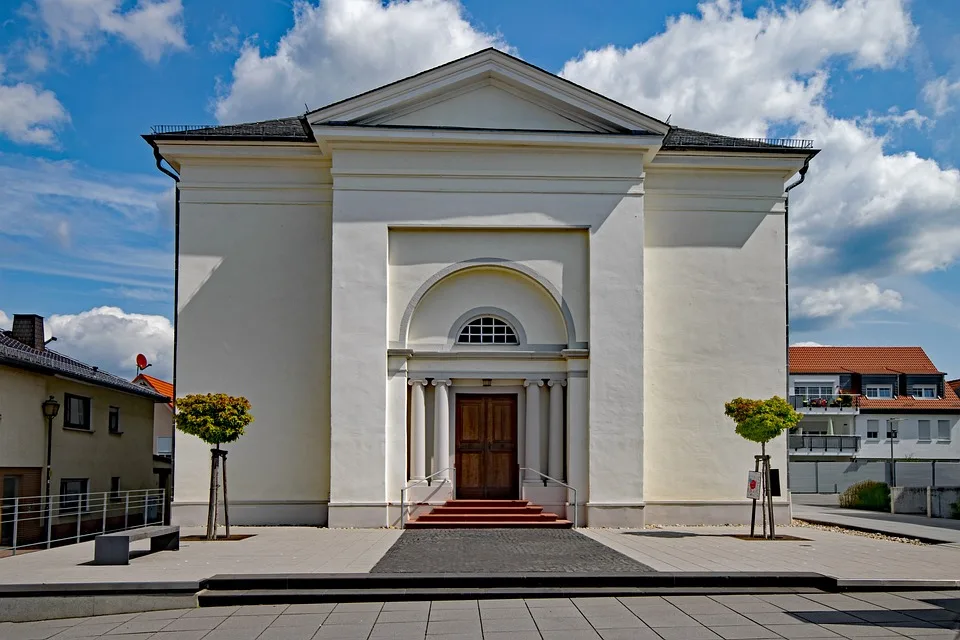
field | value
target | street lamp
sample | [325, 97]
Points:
[50, 410]
[891, 435]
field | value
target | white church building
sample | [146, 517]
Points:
[480, 274]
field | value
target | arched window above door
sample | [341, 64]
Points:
[487, 329]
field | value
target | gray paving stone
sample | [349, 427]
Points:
[773, 617]
[458, 636]
[352, 607]
[412, 615]
[129, 636]
[628, 634]
[728, 619]
[555, 612]
[308, 608]
[800, 631]
[162, 614]
[353, 618]
[18, 632]
[616, 622]
[439, 615]
[453, 626]
[674, 618]
[192, 624]
[454, 604]
[246, 622]
[261, 609]
[399, 630]
[686, 633]
[140, 626]
[509, 635]
[882, 616]
[417, 605]
[288, 633]
[516, 603]
[570, 635]
[245, 633]
[195, 634]
[210, 612]
[114, 617]
[746, 604]
[509, 624]
[539, 603]
[502, 551]
[744, 632]
[697, 605]
[855, 630]
[299, 620]
[562, 624]
[828, 617]
[505, 612]
[87, 630]
[343, 632]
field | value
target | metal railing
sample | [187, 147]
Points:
[826, 443]
[32, 522]
[545, 479]
[179, 128]
[838, 401]
[429, 481]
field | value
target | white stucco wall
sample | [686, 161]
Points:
[907, 444]
[714, 323]
[254, 320]
[95, 455]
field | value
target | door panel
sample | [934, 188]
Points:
[11, 489]
[486, 446]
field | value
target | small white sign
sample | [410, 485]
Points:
[753, 485]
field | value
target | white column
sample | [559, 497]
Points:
[829, 426]
[532, 426]
[418, 431]
[441, 429]
[555, 447]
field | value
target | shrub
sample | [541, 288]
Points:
[868, 494]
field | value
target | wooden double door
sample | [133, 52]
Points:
[486, 447]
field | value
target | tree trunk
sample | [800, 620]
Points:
[226, 508]
[763, 485]
[769, 496]
[211, 514]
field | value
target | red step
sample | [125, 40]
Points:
[487, 514]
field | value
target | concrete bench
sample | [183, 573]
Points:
[114, 548]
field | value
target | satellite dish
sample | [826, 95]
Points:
[141, 361]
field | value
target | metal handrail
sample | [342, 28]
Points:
[410, 485]
[545, 478]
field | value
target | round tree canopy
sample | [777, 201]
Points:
[762, 420]
[215, 418]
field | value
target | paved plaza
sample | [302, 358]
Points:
[919, 615]
[502, 551]
[317, 550]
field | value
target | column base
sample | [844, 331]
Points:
[615, 515]
[352, 515]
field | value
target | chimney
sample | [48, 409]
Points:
[28, 329]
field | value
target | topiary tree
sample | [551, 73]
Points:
[215, 418]
[762, 421]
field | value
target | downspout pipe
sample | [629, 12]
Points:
[786, 255]
[176, 305]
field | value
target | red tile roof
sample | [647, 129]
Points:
[876, 360]
[955, 384]
[160, 386]
[860, 360]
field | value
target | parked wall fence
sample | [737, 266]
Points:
[825, 476]
[37, 522]
[934, 502]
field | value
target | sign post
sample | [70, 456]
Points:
[753, 493]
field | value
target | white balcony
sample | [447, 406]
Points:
[840, 404]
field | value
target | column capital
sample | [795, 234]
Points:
[561, 383]
[437, 383]
[420, 381]
[527, 383]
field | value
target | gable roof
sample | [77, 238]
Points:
[162, 387]
[955, 385]
[367, 108]
[877, 360]
[16, 354]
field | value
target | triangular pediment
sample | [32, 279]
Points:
[489, 90]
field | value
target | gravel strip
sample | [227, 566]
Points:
[854, 532]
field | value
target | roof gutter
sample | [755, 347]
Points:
[786, 254]
[176, 306]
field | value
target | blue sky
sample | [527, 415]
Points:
[86, 224]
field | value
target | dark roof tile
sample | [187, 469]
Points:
[14, 353]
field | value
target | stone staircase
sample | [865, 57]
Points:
[488, 514]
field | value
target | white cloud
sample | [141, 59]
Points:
[338, 48]
[808, 343]
[939, 94]
[5, 321]
[843, 300]
[29, 114]
[67, 219]
[111, 338]
[226, 41]
[152, 26]
[858, 214]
